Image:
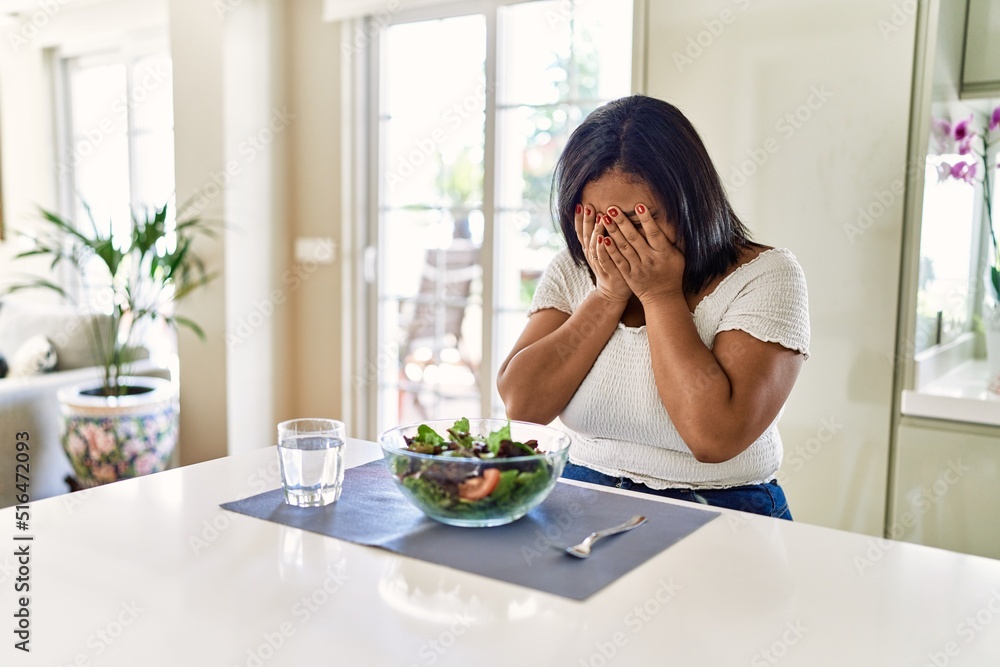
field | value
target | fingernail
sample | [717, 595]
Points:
[613, 212]
[639, 208]
[587, 210]
[607, 241]
[579, 209]
[607, 221]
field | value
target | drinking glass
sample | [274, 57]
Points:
[311, 452]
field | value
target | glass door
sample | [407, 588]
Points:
[431, 223]
[473, 112]
[556, 72]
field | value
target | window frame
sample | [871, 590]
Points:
[944, 356]
[126, 51]
[62, 60]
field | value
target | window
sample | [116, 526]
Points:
[947, 252]
[473, 112]
[118, 139]
[120, 147]
[954, 232]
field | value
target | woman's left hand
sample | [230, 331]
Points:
[652, 266]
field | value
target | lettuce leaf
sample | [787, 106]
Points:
[494, 439]
[427, 437]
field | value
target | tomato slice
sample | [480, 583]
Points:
[478, 488]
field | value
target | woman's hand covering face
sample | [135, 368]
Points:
[644, 251]
[590, 232]
[641, 242]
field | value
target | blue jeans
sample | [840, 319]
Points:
[767, 499]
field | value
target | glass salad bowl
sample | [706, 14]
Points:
[475, 472]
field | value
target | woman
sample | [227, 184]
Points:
[663, 337]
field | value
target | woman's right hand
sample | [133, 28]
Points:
[610, 282]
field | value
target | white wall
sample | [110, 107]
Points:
[258, 315]
[845, 67]
[27, 168]
[196, 45]
[315, 196]
[257, 102]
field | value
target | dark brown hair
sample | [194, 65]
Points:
[654, 142]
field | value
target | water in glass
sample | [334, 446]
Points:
[312, 469]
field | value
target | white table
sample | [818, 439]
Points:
[152, 572]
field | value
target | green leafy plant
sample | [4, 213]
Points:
[137, 279]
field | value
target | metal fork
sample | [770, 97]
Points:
[582, 550]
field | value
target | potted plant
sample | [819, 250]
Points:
[118, 425]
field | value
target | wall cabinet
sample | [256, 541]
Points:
[947, 486]
[981, 70]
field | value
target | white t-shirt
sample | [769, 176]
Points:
[617, 421]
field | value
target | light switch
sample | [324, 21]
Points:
[316, 249]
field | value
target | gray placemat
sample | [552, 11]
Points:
[372, 511]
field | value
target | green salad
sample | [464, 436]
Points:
[465, 490]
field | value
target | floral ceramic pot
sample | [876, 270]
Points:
[113, 438]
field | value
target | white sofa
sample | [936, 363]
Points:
[29, 405]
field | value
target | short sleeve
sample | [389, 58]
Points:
[773, 306]
[556, 286]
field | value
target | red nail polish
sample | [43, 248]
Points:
[587, 210]
[579, 209]
[613, 212]
[606, 220]
[607, 241]
[639, 208]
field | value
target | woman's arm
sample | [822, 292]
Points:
[720, 400]
[553, 355]
[556, 351]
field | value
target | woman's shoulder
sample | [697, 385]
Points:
[767, 298]
[563, 260]
[774, 262]
[563, 265]
[773, 276]
[563, 285]
[763, 273]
